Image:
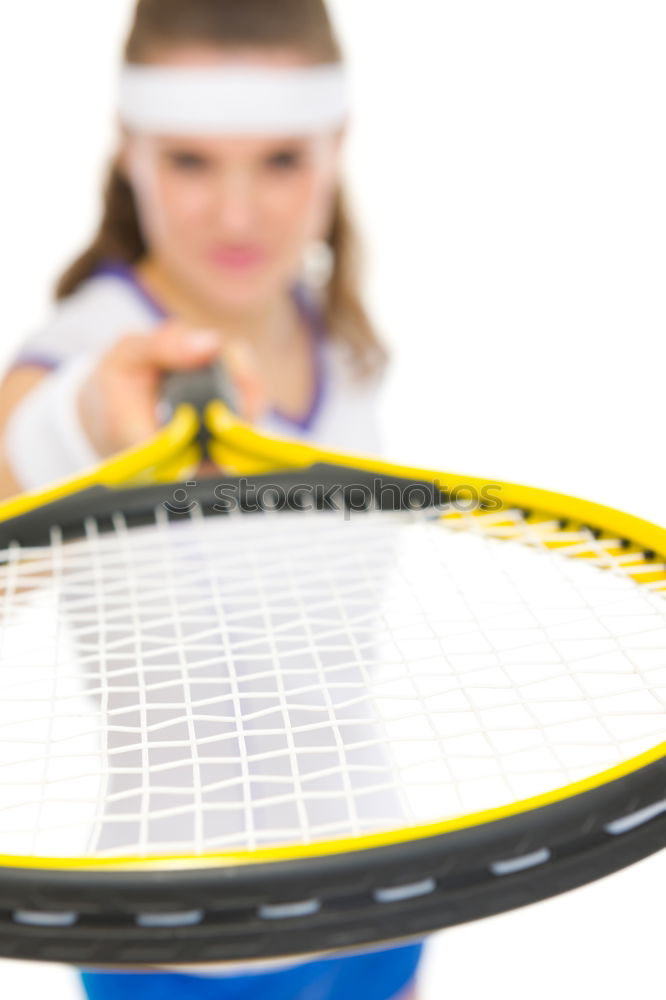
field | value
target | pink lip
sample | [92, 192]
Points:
[240, 258]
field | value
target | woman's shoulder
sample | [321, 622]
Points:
[103, 307]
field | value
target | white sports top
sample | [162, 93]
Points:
[113, 303]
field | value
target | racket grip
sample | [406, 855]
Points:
[198, 388]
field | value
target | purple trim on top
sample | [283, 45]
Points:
[313, 319]
[308, 310]
[35, 359]
[126, 273]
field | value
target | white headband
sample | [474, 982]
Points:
[235, 101]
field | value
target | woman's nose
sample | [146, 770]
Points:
[236, 204]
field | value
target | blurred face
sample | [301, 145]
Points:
[230, 217]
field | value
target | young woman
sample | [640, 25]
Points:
[224, 234]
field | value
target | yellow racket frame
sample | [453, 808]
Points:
[175, 453]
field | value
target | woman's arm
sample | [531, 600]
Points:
[17, 384]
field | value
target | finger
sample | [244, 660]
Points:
[171, 347]
[241, 363]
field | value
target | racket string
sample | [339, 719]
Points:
[535, 537]
[233, 681]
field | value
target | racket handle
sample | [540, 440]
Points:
[198, 388]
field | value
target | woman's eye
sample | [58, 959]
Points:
[285, 160]
[187, 161]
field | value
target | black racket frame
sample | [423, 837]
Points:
[211, 913]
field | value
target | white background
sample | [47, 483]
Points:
[508, 164]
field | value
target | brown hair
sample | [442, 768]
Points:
[301, 24]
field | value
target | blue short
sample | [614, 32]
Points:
[377, 975]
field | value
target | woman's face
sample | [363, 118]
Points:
[230, 217]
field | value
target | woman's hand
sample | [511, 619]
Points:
[118, 401]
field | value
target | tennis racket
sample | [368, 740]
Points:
[317, 702]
